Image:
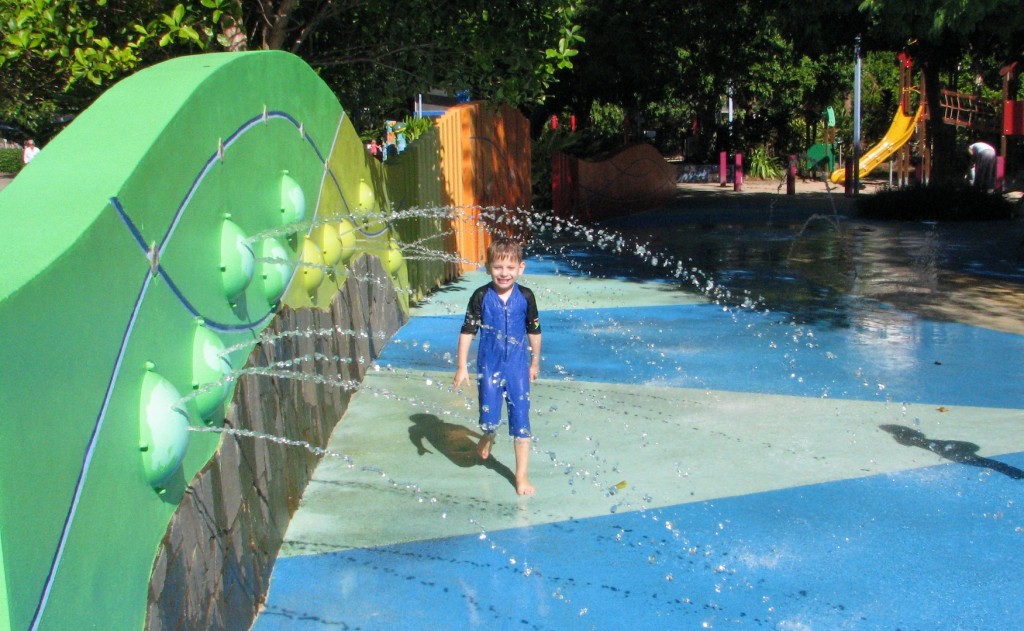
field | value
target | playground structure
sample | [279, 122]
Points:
[150, 263]
[822, 155]
[905, 123]
[1004, 117]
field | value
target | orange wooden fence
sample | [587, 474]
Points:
[485, 167]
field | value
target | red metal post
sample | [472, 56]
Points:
[561, 203]
[723, 168]
[791, 176]
[737, 176]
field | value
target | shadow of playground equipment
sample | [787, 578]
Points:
[958, 451]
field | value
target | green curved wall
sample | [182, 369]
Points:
[134, 249]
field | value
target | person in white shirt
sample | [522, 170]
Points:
[30, 151]
[984, 156]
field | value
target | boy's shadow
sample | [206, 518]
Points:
[455, 442]
[955, 450]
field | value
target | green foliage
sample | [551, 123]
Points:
[377, 58]
[622, 68]
[90, 41]
[10, 160]
[416, 127]
[935, 203]
[666, 66]
[560, 58]
[58, 55]
[606, 120]
[762, 166]
[983, 23]
[541, 150]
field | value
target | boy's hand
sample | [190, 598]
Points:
[461, 375]
[534, 372]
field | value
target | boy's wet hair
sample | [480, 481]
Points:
[504, 248]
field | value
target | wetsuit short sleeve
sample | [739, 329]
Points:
[474, 312]
[532, 314]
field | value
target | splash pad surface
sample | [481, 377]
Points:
[697, 467]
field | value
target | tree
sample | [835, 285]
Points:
[58, 55]
[670, 66]
[378, 56]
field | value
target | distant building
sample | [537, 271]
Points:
[436, 102]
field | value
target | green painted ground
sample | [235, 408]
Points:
[667, 445]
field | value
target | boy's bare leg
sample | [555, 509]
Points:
[483, 448]
[523, 486]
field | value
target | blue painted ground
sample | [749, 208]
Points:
[936, 548]
[923, 549]
[697, 346]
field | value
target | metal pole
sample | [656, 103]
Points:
[856, 117]
[730, 115]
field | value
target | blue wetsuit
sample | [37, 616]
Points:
[503, 354]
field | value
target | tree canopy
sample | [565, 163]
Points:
[666, 65]
[58, 55]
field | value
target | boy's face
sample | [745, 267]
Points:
[505, 271]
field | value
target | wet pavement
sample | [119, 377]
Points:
[842, 450]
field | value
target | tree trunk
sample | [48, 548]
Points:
[277, 31]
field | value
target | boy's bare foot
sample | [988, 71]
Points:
[483, 448]
[523, 487]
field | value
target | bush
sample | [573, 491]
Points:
[762, 166]
[10, 160]
[935, 203]
[416, 127]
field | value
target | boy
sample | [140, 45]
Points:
[508, 356]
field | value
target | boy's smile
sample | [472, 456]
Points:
[505, 272]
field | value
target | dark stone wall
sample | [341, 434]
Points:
[212, 570]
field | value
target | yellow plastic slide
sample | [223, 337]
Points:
[901, 130]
